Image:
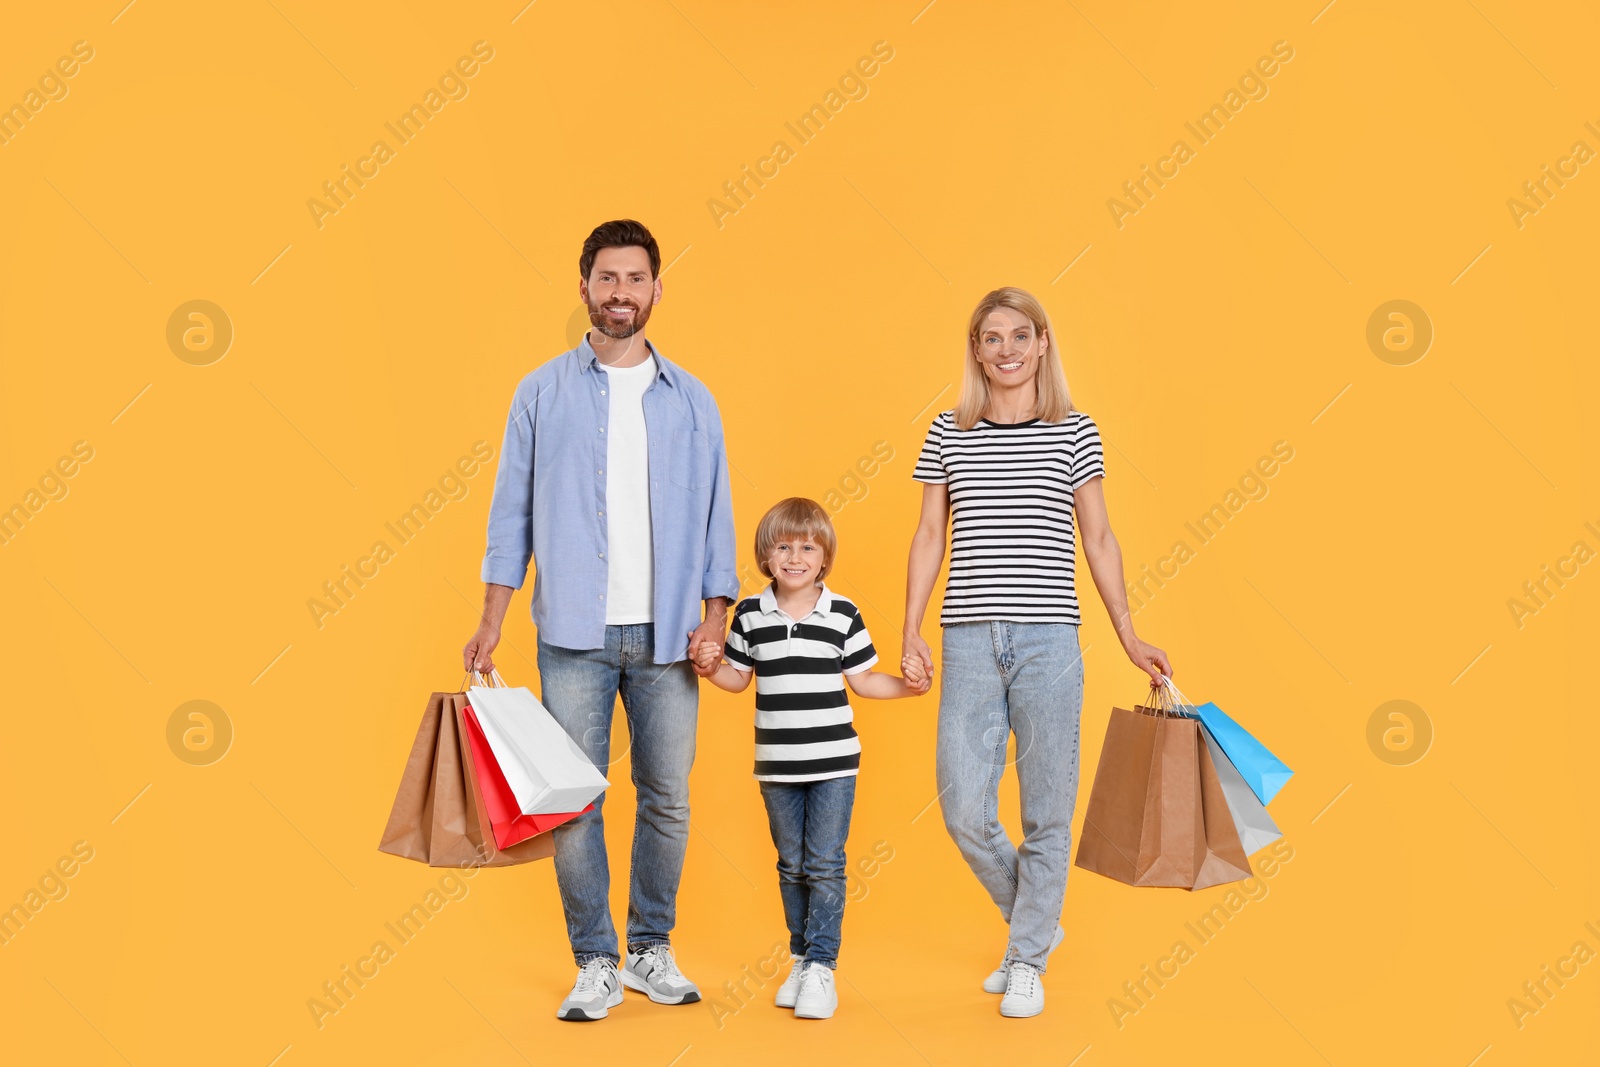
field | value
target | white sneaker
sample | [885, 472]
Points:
[790, 989]
[596, 989]
[655, 973]
[1024, 991]
[996, 982]
[817, 998]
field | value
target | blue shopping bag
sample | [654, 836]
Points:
[1261, 770]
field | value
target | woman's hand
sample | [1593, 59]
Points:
[1150, 659]
[915, 672]
[916, 662]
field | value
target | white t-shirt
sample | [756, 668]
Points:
[630, 574]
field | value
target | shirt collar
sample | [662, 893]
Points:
[588, 360]
[769, 601]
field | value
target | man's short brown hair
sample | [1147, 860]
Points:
[619, 233]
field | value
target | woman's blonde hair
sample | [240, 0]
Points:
[794, 519]
[1055, 402]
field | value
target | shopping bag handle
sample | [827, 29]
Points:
[1161, 703]
[1176, 694]
[492, 680]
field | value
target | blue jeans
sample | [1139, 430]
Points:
[1000, 679]
[809, 822]
[662, 702]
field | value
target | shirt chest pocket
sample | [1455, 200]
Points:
[690, 465]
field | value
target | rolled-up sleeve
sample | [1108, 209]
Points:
[510, 541]
[720, 578]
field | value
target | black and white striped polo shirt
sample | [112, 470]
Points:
[804, 727]
[1011, 491]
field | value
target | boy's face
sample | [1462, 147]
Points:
[796, 563]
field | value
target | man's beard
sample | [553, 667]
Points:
[600, 321]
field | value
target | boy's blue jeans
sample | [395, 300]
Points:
[810, 821]
[662, 702]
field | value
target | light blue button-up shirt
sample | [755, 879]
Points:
[550, 501]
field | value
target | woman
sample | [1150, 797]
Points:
[1010, 465]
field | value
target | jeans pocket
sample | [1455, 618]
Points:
[691, 459]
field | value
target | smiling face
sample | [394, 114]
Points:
[620, 291]
[796, 563]
[1009, 348]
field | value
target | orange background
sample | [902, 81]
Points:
[368, 354]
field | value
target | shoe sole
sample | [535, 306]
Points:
[580, 1015]
[1055, 943]
[785, 1001]
[1023, 1014]
[639, 986]
[798, 1014]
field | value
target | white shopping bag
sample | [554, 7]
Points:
[1250, 818]
[547, 771]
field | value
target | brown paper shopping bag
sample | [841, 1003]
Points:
[1144, 824]
[437, 816]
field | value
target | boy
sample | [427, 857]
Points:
[804, 643]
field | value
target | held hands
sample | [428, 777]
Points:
[916, 664]
[705, 654]
[915, 674]
[711, 631]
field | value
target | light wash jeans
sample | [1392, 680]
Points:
[809, 823]
[662, 702]
[999, 679]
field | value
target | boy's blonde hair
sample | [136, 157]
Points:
[795, 518]
[1055, 402]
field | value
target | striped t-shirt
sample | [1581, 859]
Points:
[1011, 500]
[804, 730]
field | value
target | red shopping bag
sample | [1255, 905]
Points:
[509, 823]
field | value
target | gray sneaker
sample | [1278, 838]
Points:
[654, 973]
[996, 982]
[597, 989]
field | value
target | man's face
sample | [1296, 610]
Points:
[620, 291]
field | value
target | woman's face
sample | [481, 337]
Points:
[1009, 348]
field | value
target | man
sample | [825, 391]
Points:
[613, 478]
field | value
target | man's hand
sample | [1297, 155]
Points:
[479, 653]
[706, 655]
[712, 631]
